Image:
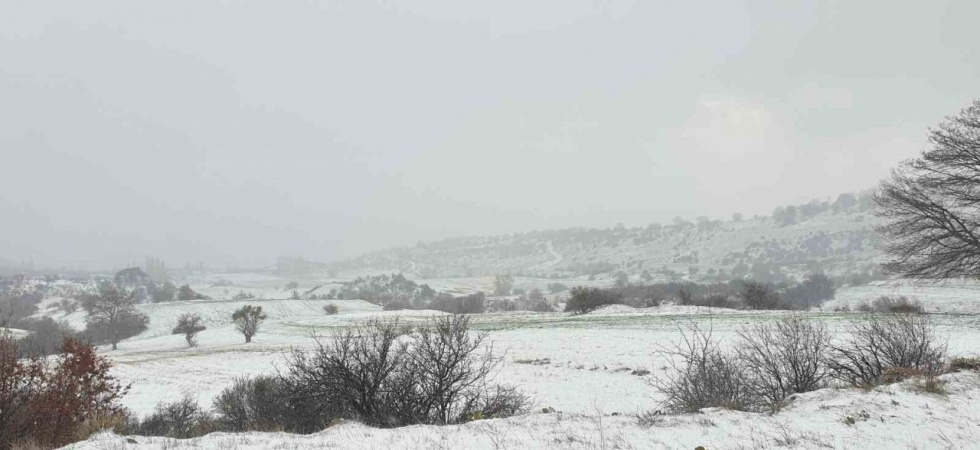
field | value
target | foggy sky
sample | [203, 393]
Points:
[233, 132]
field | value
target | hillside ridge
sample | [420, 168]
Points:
[833, 237]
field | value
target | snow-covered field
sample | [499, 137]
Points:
[582, 366]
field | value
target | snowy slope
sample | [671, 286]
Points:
[838, 243]
[887, 417]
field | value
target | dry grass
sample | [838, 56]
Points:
[961, 364]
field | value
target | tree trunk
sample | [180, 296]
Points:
[113, 345]
[248, 339]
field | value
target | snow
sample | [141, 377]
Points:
[585, 366]
[951, 297]
[887, 417]
[14, 332]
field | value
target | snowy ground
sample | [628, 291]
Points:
[582, 366]
[891, 417]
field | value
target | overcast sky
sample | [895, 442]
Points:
[232, 132]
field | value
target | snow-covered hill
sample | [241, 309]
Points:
[837, 240]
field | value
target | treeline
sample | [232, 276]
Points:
[149, 288]
[385, 290]
[740, 294]
[845, 203]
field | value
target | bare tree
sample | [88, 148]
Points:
[932, 223]
[247, 320]
[502, 284]
[189, 325]
[112, 314]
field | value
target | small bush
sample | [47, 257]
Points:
[541, 305]
[901, 304]
[45, 338]
[181, 419]
[587, 299]
[469, 304]
[256, 404]
[501, 304]
[784, 357]
[701, 375]
[242, 295]
[813, 291]
[167, 292]
[331, 309]
[901, 341]
[185, 293]
[714, 301]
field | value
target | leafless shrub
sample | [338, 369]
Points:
[256, 404]
[384, 375]
[181, 419]
[784, 357]
[701, 375]
[901, 304]
[330, 309]
[886, 341]
[500, 401]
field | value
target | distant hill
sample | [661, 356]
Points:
[833, 237]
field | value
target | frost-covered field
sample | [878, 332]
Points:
[585, 367]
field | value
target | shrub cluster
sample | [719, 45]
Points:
[384, 375]
[384, 290]
[771, 361]
[468, 304]
[740, 294]
[181, 419]
[379, 373]
[881, 343]
[587, 299]
[889, 304]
